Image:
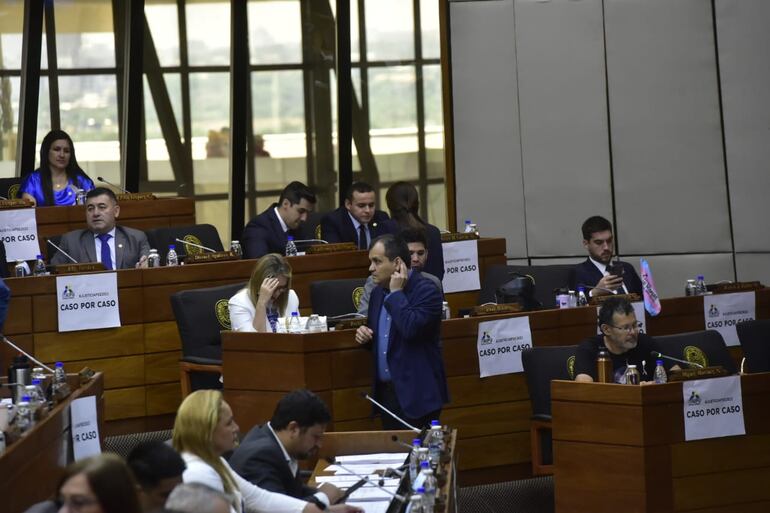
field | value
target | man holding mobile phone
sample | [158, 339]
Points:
[599, 273]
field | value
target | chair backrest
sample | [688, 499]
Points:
[336, 297]
[705, 347]
[547, 278]
[201, 234]
[200, 315]
[755, 342]
[50, 251]
[543, 364]
[9, 187]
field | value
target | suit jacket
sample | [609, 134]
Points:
[336, 226]
[588, 275]
[259, 459]
[130, 246]
[264, 234]
[3, 263]
[414, 345]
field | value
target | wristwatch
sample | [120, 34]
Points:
[318, 502]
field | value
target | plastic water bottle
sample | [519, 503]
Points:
[36, 399]
[80, 197]
[236, 248]
[436, 444]
[153, 259]
[291, 248]
[700, 286]
[414, 468]
[660, 372]
[468, 226]
[445, 312]
[24, 415]
[581, 297]
[415, 504]
[39, 269]
[60, 387]
[172, 259]
[294, 325]
[429, 487]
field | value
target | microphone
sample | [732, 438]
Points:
[196, 245]
[366, 479]
[60, 250]
[399, 419]
[395, 439]
[22, 351]
[351, 315]
[656, 354]
[297, 241]
[112, 184]
[588, 287]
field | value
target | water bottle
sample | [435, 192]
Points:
[314, 324]
[413, 461]
[39, 269]
[632, 375]
[80, 197]
[60, 387]
[689, 288]
[2, 442]
[581, 297]
[660, 372]
[429, 487]
[294, 326]
[423, 456]
[700, 286]
[36, 401]
[153, 259]
[468, 226]
[604, 373]
[172, 259]
[436, 443]
[20, 269]
[24, 415]
[291, 248]
[445, 312]
[572, 299]
[235, 247]
[415, 504]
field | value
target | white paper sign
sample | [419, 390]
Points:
[713, 408]
[500, 344]
[85, 428]
[461, 266]
[18, 229]
[722, 312]
[640, 317]
[88, 301]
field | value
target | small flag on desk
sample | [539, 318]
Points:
[651, 299]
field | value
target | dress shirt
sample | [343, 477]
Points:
[294, 465]
[110, 243]
[280, 220]
[383, 334]
[603, 269]
[356, 224]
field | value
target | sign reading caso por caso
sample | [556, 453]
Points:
[88, 301]
[18, 230]
[461, 266]
[500, 343]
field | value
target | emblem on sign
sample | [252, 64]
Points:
[222, 311]
[192, 250]
[695, 355]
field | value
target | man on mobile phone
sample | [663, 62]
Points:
[599, 274]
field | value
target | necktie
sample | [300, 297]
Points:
[106, 256]
[362, 244]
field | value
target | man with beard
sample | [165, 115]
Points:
[268, 455]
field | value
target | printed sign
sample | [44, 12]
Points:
[461, 266]
[88, 301]
[85, 428]
[713, 408]
[724, 311]
[640, 317]
[500, 343]
[18, 229]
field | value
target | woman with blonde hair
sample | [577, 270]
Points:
[267, 296]
[203, 431]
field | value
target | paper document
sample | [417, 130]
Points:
[371, 507]
[385, 457]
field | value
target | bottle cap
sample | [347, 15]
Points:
[235, 242]
[700, 277]
[295, 314]
[417, 442]
[425, 464]
[631, 366]
[658, 362]
[467, 221]
[25, 398]
[59, 365]
[434, 422]
[172, 246]
[421, 489]
[40, 257]
[35, 381]
[289, 237]
[581, 289]
[422, 449]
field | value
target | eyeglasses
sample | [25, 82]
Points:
[637, 326]
[75, 502]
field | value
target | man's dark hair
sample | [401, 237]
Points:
[98, 191]
[296, 192]
[302, 406]
[612, 306]
[361, 187]
[412, 235]
[154, 461]
[395, 246]
[595, 224]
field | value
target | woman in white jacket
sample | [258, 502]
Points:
[268, 294]
[204, 430]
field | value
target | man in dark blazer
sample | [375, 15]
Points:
[404, 328]
[269, 231]
[599, 271]
[117, 247]
[268, 455]
[358, 220]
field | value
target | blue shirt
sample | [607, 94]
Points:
[383, 335]
[32, 184]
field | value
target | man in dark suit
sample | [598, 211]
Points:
[358, 221]
[598, 270]
[267, 233]
[404, 328]
[268, 455]
[117, 247]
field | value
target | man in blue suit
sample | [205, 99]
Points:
[267, 233]
[404, 328]
[598, 271]
[358, 221]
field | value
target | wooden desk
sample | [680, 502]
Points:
[32, 467]
[491, 414]
[622, 448]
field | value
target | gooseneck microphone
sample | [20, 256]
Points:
[60, 250]
[297, 241]
[112, 184]
[657, 354]
[196, 245]
[366, 479]
[399, 419]
[589, 287]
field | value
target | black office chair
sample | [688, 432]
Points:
[336, 297]
[200, 316]
[541, 365]
[546, 277]
[755, 342]
[9, 187]
[200, 234]
[704, 347]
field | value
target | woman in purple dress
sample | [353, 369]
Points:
[57, 180]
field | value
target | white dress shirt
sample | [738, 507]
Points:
[603, 269]
[110, 243]
[243, 311]
[294, 464]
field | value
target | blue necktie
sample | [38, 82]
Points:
[106, 256]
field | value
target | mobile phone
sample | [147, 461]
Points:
[349, 491]
[615, 268]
